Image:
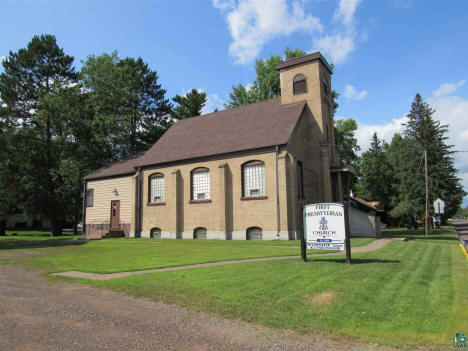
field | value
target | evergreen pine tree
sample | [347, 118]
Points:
[421, 133]
[189, 105]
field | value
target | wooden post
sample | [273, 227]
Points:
[347, 233]
[303, 240]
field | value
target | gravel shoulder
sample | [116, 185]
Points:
[38, 313]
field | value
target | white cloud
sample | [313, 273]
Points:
[336, 47]
[342, 43]
[223, 5]
[213, 102]
[453, 110]
[448, 88]
[253, 23]
[345, 11]
[350, 93]
[385, 131]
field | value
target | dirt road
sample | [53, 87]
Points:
[45, 314]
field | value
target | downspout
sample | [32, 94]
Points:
[83, 223]
[278, 222]
[138, 206]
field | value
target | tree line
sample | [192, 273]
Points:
[58, 124]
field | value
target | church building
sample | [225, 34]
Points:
[241, 173]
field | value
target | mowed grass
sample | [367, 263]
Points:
[410, 294]
[119, 255]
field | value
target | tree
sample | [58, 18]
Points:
[131, 109]
[266, 84]
[31, 78]
[189, 105]
[346, 141]
[9, 176]
[421, 133]
[376, 174]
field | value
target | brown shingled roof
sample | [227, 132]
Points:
[253, 126]
[120, 167]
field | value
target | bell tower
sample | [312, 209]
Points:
[309, 78]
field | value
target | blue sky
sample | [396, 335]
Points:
[384, 51]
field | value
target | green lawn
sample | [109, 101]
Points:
[406, 294]
[409, 293]
[119, 255]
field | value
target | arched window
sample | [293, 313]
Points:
[300, 180]
[200, 184]
[199, 233]
[155, 233]
[299, 84]
[253, 179]
[156, 193]
[254, 233]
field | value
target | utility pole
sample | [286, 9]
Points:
[427, 191]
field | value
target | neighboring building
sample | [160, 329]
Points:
[241, 173]
[365, 217]
[22, 220]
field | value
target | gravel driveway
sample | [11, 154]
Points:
[37, 313]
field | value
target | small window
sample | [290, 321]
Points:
[300, 180]
[200, 184]
[325, 87]
[299, 84]
[155, 233]
[156, 192]
[254, 233]
[199, 233]
[89, 197]
[253, 179]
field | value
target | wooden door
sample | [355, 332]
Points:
[115, 213]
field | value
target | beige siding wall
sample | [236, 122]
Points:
[104, 194]
[226, 216]
[364, 224]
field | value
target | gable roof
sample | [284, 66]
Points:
[254, 126]
[121, 167]
[264, 124]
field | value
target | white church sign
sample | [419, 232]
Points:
[324, 226]
[439, 205]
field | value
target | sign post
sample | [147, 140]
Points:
[326, 227]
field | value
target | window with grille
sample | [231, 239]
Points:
[89, 197]
[254, 233]
[156, 188]
[199, 233]
[155, 233]
[201, 184]
[253, 179]
[299, 84]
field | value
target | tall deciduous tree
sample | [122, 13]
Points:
[346, 141]
[131, 108]
[266, 84]
[189, 105]
[31, 78]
